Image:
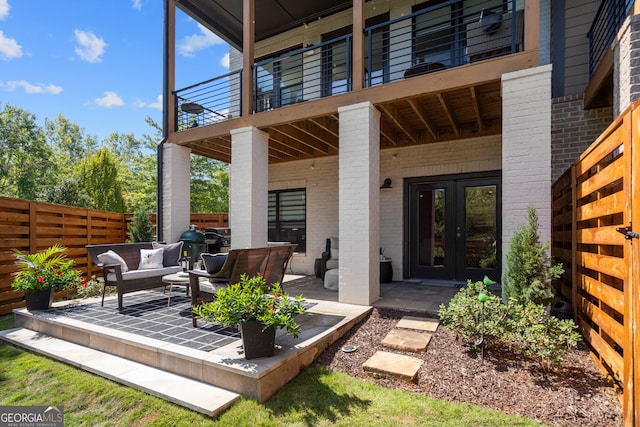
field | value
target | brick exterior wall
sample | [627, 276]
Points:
[176, 163]
[573, 129]
[626, 65]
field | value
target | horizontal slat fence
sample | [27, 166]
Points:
[34, 226]
[590, 203]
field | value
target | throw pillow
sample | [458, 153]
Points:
[213, 262]
[172, 252]
[110, 258]
[151, 258]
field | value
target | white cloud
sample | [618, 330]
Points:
[89, 47]
[225, 61]
[136, 4]
[9, 48]
[196, 42]
[110, 99]
[157, 105]
[4, 9]
[31, 88]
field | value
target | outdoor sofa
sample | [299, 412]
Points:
[132, 267]
[269, 262]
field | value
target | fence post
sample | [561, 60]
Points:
[634, 270]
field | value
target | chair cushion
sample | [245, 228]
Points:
[172, 252]
[213, 262]
[151, 259]
[143, 274]
[332, 263]
[334, 248]
[110, 257]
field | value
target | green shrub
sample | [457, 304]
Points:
[464, 315]
[93, 288]
[529, 272]
[525, 329]
[542, 337]
[140, 228]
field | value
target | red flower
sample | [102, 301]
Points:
[272, 308]
[40, 279]
[84, 282]
[59, 272]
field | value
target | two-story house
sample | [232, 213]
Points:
[423, 129]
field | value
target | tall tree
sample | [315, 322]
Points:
[25, 165]
[100, 180]
[209, 185]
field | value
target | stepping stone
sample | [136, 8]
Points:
[407, 340]
[419, 323]
[393, 365]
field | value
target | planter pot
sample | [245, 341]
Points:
[255, 341]
[39, 300]
[562, 309]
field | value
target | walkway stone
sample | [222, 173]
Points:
[407, 340]
[393, 365]
[419, 323]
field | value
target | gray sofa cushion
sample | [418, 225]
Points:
[143, 274]
[172, 252]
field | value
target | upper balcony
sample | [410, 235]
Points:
[434, 73]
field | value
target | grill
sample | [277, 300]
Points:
[217, 239]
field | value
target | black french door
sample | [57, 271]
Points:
[454, 227]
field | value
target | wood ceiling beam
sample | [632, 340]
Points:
[284, 139]
[393, 115]
[283, 149]
[476, 108]
[422, 115]
[387, 133]
[303, 138]
[447, 111]
[327, 124]
[318, 134]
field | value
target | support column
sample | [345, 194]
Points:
[526, 151]
[249, 176]
[176, 191]
[359, 204]
[626, 66]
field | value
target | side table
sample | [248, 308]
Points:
[176, 279]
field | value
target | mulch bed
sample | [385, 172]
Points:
[577, 394]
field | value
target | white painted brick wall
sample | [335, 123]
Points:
[320, 178]
[526, 150]
[176, 204]
[358, 205]
[248, 188]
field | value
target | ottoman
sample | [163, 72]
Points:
[331, 279]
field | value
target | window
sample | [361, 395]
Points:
[288, 217]
[278, 80]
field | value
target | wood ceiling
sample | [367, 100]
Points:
[426, 118]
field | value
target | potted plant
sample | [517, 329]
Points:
[258, 310]
[41, 272]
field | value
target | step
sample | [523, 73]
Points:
[393, 365]
[407, 340]
[419, 323]
[197, 396]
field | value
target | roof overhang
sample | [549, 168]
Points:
[224, 17]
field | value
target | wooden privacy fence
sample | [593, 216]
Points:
[33, 226]
[594, 211]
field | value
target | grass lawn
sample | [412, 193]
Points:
[317, 397]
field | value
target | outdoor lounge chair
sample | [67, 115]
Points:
[270, 262]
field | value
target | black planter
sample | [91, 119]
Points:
[39, 300]
[255, 341]
[562, 310]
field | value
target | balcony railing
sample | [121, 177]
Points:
[606, 25]
[435, 38]
[209, 102]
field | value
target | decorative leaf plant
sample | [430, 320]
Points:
[49, 268]
[252, 299]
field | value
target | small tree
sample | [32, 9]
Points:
[529, 270]
[141, 229]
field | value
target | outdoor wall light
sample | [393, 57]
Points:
[386, 183]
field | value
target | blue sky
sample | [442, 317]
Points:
[98, 62]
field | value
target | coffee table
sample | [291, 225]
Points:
[176, 279]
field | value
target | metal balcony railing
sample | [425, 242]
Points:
[444, 36]
[209, 102]
[604, 28]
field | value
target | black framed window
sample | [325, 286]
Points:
[278, 81]
[288, 217]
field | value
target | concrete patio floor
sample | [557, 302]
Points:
[151, 345]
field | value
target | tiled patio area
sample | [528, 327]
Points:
[152, 345]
